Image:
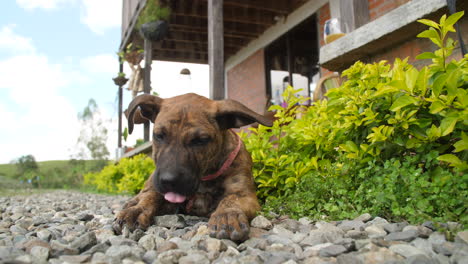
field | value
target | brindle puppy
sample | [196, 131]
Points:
[192, 139]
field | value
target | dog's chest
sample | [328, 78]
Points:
[205, 201]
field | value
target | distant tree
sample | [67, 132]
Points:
[26, 164]
[93, 135]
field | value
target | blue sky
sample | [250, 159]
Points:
[54, 56]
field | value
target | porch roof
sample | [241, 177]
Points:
[187, 41]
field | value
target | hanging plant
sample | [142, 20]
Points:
[120, 80]
[153, 20]
[133, 54]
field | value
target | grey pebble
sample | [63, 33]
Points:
[72, 227]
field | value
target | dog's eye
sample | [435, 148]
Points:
[159, 137]
[202, 141]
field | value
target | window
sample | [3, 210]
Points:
[293, 56]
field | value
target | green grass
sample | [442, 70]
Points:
[53, 174]
[7, 170]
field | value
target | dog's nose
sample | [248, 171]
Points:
[168, 180]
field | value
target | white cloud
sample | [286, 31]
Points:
[103, 63]
[101, 15]
[37, 120]
[11, 42]
[98, 15]
[40, 4]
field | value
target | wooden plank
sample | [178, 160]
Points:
[199, 25]
[242, 19]
[216, 49]
[147, 82]
[203, 31]
[187, 47]
[133, 12]
[167, 56]
[145, 148]
[119, 134]
[193, 37]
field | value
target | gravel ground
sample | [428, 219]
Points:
[72, 227]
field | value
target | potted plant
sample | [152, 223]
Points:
[120, 80]
[133, 54]
[153, 20]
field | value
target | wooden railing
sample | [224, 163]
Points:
[130, 12]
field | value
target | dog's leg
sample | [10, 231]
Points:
[140, 210]
[239, 205]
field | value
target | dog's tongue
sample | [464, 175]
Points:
[174, 197]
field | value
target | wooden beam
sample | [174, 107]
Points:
[250, 20]
[270, 6]
[193, 37]
[200, 25]
[165, 56]
[147, 82]
[119, 132]
[216, 49]
[203, 31]
[202, 48]
[280, 7]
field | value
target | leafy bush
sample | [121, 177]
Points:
[392, 140]
[127, 176]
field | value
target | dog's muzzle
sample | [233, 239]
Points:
[175, 186]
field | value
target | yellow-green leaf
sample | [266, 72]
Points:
[351, 146]
[403, 101]
[450, 158]
[426, 55]
[438, 84]
[451, 20]
[430, 33]
[411, 77]
[428, 22]
[447, 125]
[385, 90]
[461, 144]
[436, 107]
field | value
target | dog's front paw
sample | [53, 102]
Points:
[134, 217]
[229, 224]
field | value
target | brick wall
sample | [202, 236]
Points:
[378, 8]
[246, 82]
[410, 48]
[323, 14]
[415, 46]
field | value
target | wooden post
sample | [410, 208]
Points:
[289, 56]
[119, 141]
[354, 13]
[147, 83]
[216, 49]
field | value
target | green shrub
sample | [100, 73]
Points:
[392, 140]
[127, 176]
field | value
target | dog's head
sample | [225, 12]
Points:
[189, 137]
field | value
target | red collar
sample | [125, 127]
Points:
[228, 161]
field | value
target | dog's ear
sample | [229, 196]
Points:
[143, 106]
[232, 114]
